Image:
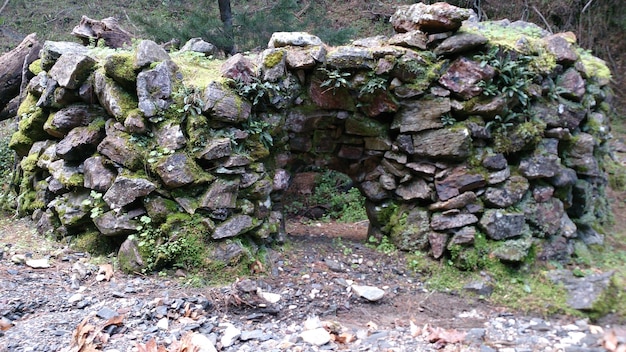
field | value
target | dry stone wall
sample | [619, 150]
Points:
[468, 139]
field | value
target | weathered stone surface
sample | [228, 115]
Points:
[79, 143]
[71, 208]
[370, 293]
[414, 235]
[350, 57]
[547, 217]
[416, 189]
[200, 46]
[459, 43]
[457, 202]
[481, 105]
[437, 241]
[441, 222]
[495, 162]
[128, 257]
[463, 236]
[176, 170]
[52, 51]
[544, 162]
[170, 135]
[234, 226]
[305, 58]
[125, 190]
[457, 181]
[457, 144]
[224, 105]
[378, 103]
[507, 194]
[117, 147]
[149, 52]
[282, 39]
[435, 18]
[154, 88]
[273, 66]
[361, 126]
[215, 149]
[497, 177]
[68, 174]
[580, 155]
[565, 177]
[514, 250]
[463, 75]
[238, 68]
[572, 85]
[422, 114]
[114, 224]
[411, 39]
[70, 70]
[112, 97]
[222, 194]
[558, 46]
[593, 293]
[500, 224]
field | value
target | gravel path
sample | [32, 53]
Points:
[311, 298]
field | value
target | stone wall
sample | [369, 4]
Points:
[468, 139]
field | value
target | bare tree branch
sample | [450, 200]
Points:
[6, 2]
[586, 6]
[543, 19]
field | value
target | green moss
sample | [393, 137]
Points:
[120, 67]
[273, 58]
[75, 180]
[35, 67]
[20, 143]
[29, 163]
[93, 243]
[197, 70]
[594, 66]
[28, 105]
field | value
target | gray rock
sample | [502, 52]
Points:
[224, 104]
[435, 18]
[317, 337]
[230, 335]
[52, 51]
[594, 293]
[459, 43]
[154, 88]
[129, 258]
[463, 236]
[117, 147]
[107, 313]
[572, 85]
[71, 69]
[71, 208]
[510, 193]
[437, 241]
[149, 52]
[114, 224]
[500, 224]
[558, 46]
[422, 114]
[115, 100]
[282, 39]
[79, 142]
[514, 250]
[126, 190]
[177, 170]
[479, 287]
[457, 144]
[370, 293]
[234, 226]
[305, 58]
[416, 189]
[200, 46]
[170, 135]
[66, 173]
[440, 222]
[97, 175]
[456, 181]
[350, 57]
[412, 39]
[463, 75]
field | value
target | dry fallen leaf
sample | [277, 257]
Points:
[442, 337]
[611, 340]
[5, 324]
[344, 338]
[372, 326]
[105, 272]
[414, 329]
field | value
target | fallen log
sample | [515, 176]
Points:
[91, 31]
[10, 110]
[12, 66]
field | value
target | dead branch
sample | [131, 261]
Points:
[108, 29]
[543, 19]
[6, 2]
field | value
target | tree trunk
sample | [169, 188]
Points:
[226, 16]
[12, 65]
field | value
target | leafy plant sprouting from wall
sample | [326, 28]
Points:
[335, 79]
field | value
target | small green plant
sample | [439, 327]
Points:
[338, 242]
[192, 103]
[384, 245]
[447, 119]
[261, 129]
[374, 83]
[257, 92]
[334, 79]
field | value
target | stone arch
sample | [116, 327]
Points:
[457, 132]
